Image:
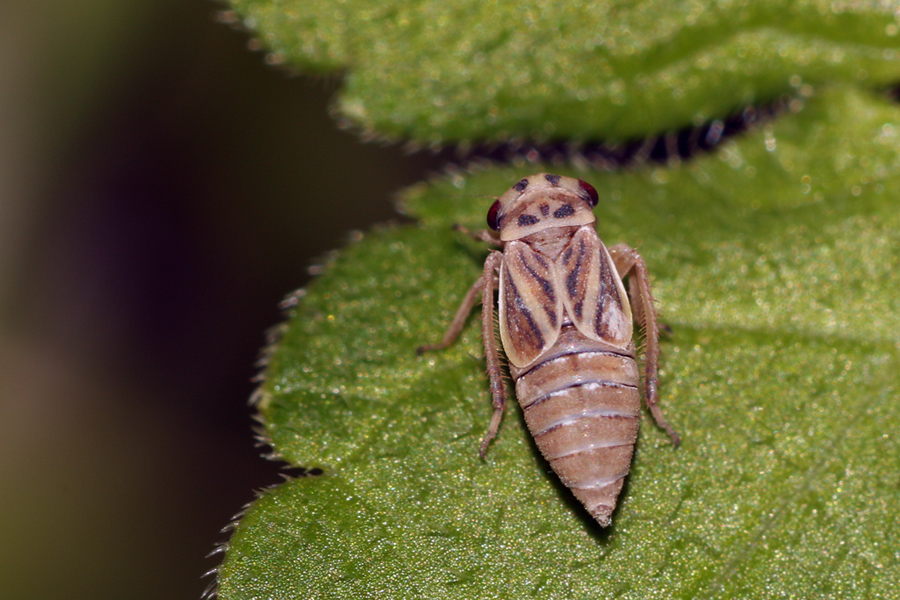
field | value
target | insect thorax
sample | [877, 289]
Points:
[551, 241]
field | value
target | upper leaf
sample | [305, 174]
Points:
[436, 71]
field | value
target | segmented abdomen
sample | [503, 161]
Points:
[582, 406]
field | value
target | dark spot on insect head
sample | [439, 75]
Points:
[493, 216]
[545, 210]
[592, 197]
[553, 179]
[526, 220]
[521, 185]
[566, 210]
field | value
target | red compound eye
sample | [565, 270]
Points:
[591, 192]
[493, 216]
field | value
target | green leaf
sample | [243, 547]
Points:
[777, 270]
[435, 71]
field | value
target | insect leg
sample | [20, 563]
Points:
[459, 320]
[491, 354]
[482, 235]
[629, 262]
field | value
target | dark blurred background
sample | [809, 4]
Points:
[161, 189]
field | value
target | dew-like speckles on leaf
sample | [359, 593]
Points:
[776, 266]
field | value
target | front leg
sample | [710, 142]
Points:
[491, 353]
[482, 235]
[459, 320]
[484, 286]
[629, 262]
[462, 313]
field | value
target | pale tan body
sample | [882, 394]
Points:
[583, 409]
[566, 327]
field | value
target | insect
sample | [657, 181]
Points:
[566, 325]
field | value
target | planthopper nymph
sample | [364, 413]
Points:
[567, 329]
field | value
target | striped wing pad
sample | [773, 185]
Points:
[531, 304]
[592, 290]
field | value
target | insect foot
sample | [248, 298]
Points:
[567, 329]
